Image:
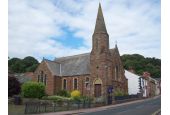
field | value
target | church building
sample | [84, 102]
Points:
[96, 74]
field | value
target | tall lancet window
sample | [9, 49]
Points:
[42, 78]
[116, 72]
[75, 84]
[64, 84]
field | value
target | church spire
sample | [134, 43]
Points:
[100, 24]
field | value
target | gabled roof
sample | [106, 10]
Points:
[75, 65]
[53, 66]
[71, 65]
[22, 77]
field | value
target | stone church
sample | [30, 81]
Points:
[96, 74]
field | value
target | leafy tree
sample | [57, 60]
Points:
[28, 64]
[14, 86]
[140, 64]
[29, 61]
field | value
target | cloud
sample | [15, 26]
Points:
[37, 28]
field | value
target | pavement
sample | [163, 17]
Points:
[138, 107]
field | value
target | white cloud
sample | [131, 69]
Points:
[132, 23]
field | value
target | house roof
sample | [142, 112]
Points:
[129, 74]
[22, 77]
[71, 65]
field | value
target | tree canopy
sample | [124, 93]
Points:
[17, 65]
[141, 64]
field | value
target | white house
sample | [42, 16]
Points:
[133, 83]
[136, 84]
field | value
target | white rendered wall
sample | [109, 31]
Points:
[133, 82]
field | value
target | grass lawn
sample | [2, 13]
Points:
[15, 109]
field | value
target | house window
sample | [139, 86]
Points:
[75, 84]
[87, 81]
[64, 84]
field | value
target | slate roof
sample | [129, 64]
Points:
[71, 65]
[53, 66]
[22, 78]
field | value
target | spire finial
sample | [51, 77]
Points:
[100, 24]
[116, 44]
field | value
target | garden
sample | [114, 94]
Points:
[30, 98]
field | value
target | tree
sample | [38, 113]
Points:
[14, 86]
[28, 64]
[29, 61]
[141, 64]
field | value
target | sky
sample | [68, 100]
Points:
[57, 28]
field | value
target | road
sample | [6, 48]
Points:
[147, 107]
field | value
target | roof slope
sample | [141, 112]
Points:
[75, 65]
[53, 66]
[71, 65]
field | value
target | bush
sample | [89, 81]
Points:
[75, 93]
[64, 93]
[33, 90]
[14, 86]
[118, 92]
[86, 98]
[56, 98]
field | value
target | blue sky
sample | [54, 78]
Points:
[56, 28]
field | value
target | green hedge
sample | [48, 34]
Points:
[56, 98]
[33, 90]
[63, 93]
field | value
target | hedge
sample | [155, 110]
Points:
[33, 90]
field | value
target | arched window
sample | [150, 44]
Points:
[87, 81]
[45, 79]
[38, 79]
[75, 86]
[42, 77]
[64, 84]
[116, 72]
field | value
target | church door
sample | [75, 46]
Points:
[97, 90]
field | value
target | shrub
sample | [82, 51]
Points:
[14, 86]
[64, 93]
[75, 93]
[86, 98]
[33, 90]
[118, 92]
[56, 98]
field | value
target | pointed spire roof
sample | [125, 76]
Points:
[100, 24]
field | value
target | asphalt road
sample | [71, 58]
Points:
[147, 107]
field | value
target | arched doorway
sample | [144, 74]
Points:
[97, 87]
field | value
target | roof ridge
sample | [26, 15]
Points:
[77, 55]
[73, 56]
[51, 61]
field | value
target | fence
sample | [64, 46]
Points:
[126, 97]
[121, 99]
[42, 107]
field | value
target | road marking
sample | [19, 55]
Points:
[156, 112]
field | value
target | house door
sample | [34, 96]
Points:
[97, 90]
